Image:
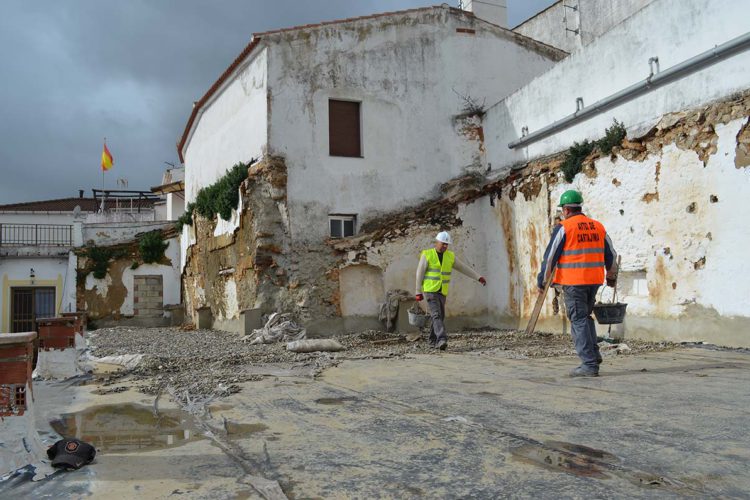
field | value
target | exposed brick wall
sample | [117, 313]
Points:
[57, 333]
[16, 356]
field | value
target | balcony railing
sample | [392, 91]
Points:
[22, 235]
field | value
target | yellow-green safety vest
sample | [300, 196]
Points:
[437, 278]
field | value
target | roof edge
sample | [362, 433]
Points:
[198, 105]
[535, 15]
[254, 42]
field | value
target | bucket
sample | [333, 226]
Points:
[417, 320]
[609, 314]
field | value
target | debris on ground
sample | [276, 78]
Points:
[314, 345]
[211, 362]
[279, 328]
[616, 348]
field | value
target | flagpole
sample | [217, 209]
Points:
[103, 194]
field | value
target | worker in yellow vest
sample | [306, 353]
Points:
[580, 251]
[433, 280]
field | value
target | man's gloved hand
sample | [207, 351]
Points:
[483, 281]
[419, 297]
[611, 281]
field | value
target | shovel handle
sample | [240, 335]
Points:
[614, 295]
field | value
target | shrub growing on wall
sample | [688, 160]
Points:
[613, 136]
[220, 198]
[578, 152]
[573, 161]
[100, 257]
[151, 246]
[187, 217]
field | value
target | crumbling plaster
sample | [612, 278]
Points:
[675, 216]
[112, 297]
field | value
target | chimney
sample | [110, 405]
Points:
[493, 11]
[80, 193]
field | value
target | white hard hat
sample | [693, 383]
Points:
[444, 237]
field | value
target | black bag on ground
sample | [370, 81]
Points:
[71, 454]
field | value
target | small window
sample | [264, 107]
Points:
[342, 226]
[344, 137]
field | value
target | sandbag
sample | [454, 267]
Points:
[314, 345]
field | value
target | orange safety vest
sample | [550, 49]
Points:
[582, 259]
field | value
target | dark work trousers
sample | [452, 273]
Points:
[436, 304]
[579, 303]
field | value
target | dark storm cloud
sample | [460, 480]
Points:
[74, 72]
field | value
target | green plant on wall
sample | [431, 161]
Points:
[151, 247]
[613, 136]
[573, 161]
[100, 257]
[187, 217]
[574, 157]
[220, 198]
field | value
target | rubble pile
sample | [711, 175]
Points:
[209, 362]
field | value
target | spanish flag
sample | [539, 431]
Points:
[107, 160]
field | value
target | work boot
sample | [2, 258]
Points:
[584, 371]
[442, 344]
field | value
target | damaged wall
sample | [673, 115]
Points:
[250, 266]
[407, 70]
[113, 297]
[673, 202]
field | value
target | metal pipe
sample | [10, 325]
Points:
[696, 63]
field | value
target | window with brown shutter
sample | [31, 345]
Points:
[344, 137]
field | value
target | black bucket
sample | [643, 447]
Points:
[609, 314]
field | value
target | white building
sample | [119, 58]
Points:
[375, 151]
[368, 114]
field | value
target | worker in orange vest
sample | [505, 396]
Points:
[580, 252]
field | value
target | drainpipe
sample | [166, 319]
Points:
[654, 81]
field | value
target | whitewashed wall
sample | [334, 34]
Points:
[406, 71]
[230, 128]
[592, 18]
[111, 233]
[673, 30]
[65, 218]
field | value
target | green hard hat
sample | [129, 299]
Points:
[571, 197]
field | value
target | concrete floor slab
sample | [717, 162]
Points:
[468, 425]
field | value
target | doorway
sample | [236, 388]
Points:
[27, 304]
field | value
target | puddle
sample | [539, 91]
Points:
[127, 428]
[335, 401]
[567, 457]
[583, 461]
[234, 429]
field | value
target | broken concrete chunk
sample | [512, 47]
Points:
[314, 345]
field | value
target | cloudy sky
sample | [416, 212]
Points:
[73, 72]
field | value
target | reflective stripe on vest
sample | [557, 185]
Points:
[437, 277]
[582, 259]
